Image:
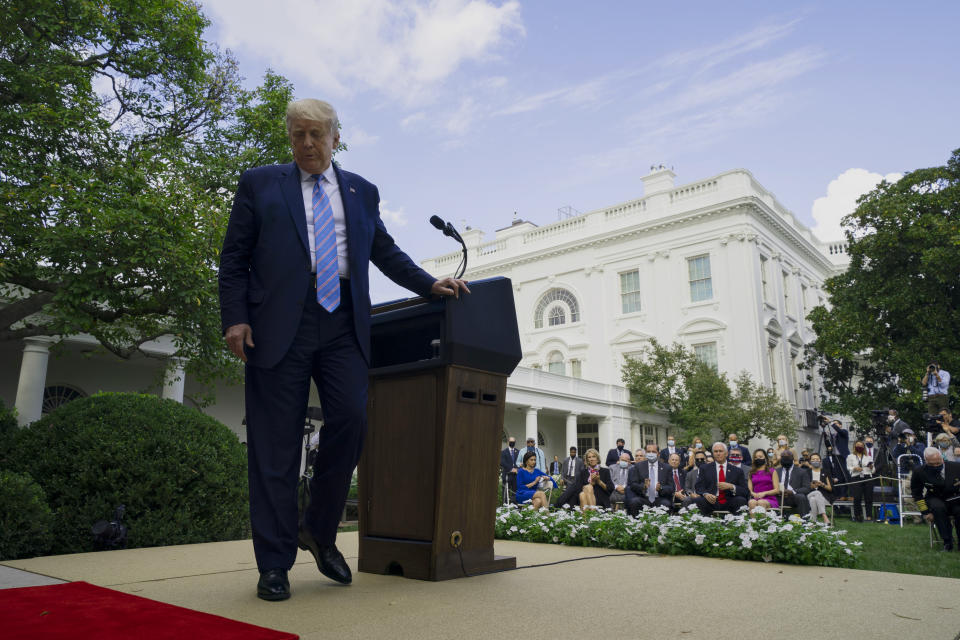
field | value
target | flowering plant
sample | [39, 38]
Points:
[740, 537]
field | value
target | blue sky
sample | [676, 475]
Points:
[476, 110]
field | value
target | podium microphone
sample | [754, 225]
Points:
[449, 230]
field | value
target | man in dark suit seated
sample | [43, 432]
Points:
[613, 456]
[678, 475]
[295, 307]
[794, 484]
[672, 448]
[721, 485]
[508, 468]
[649, 483]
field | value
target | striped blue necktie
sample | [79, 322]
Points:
[325, 248]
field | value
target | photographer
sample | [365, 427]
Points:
[935, 487]
[937, 383]
[948, 424]
[895, 426]
[907, 443]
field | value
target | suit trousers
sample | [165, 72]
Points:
[942, 512]
[325, 349]
[733, 505]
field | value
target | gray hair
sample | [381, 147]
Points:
[312, 109]
[931, 452]
[722, 444]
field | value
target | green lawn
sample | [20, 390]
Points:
[887, 547]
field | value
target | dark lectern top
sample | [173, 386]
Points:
[478, 330]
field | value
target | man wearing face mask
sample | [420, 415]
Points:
[618, 474]
[736, 459]
[649, 483]
[794, 484]
[541, 458]
[614, 454]
[735, 444]
[935, 486]
[908, 445]
[895, 424]
[672, 448]
[508, 467]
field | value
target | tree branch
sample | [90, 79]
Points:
[23, 308]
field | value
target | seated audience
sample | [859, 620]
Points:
[821, 489]
[736, 459]
[763, 483]
[595, 482]
[672, 448]
[935, 487]
[948, 445]
[679, 477]
[649, 483]
[618, 476]
[720, 485]
[529, 478]
[794, 484]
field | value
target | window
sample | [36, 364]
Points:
[555, 363]
[772, 360]
[803, 300]
[630, 291]
[706, 353]
[648, 436]
[556, 304]
[57, 396]
[701, 284]
[764, 280]
[556, 316]
[575, 369]
[588, 437]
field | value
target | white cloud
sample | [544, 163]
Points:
[413, 119]
[357, 137]
[404, 50]
[392, 217]
[458, 122]
[841, 200]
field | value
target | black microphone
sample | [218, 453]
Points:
[449, 230]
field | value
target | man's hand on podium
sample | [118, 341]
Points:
[449, 287]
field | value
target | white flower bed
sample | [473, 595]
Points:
[765, 538]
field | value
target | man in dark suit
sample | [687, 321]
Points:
[649, 482]
[735, 444]
[572, 467]
[508, 467]
[794, 484]
[935, 487]
[295, 305]
[721, 485]
[672, 448]
[613, 456]
[679, 477]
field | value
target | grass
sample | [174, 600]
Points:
[887, 547]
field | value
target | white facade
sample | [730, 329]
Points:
[718, 265]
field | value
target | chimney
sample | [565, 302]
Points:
[659, 179]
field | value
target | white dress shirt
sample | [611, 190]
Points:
[329, 184]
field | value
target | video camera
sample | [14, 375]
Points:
[932, 421]
[110, 535]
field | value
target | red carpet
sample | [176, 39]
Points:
[78, 610]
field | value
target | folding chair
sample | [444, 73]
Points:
[903, 487]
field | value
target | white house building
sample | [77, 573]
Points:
[717, 264]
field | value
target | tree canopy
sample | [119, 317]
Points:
[122, 136]
[698, 400]
[894, 310]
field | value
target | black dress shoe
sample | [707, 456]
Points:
[329, 560]
[273, 585]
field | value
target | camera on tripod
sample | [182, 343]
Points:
[932, 421]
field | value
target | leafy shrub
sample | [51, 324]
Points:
[25, 517]
[8, 425]
[180, 473]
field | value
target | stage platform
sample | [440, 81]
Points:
[623, 595]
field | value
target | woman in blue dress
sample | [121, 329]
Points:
[528, 479]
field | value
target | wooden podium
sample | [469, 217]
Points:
[428, 477]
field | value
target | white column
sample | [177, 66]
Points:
[173, 380]
[33, 379]
[532, 424]
[606, 435]
[572, 431]
[636, 436]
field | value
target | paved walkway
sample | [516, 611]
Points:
[618, 595]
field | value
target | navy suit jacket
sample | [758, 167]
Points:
[707, 480]
[265, 262]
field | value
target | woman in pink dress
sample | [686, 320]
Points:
[764, 483]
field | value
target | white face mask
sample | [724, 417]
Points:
[623, 464]
[651, 456]
[891, 419]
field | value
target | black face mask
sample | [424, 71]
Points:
[869, 445]
[701, 461]
[511, 444]
[759, 462]
[786, 463]
[935, 468]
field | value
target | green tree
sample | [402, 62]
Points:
[758, 410]
[122, 136]
[698, 400]
[895, 307]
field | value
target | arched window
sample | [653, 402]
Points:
[555, 363]
[561, 304]
[56, 396]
